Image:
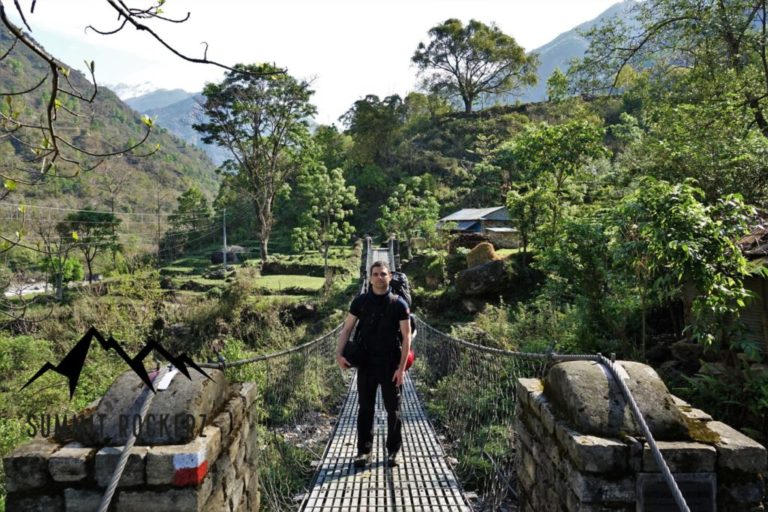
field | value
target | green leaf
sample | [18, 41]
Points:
[147, 121]
[9, 185]
[75, 236]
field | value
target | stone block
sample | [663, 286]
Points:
[736, 451]
[168, 500]
[586, 395]
[106, 462]
[236, 409]
[235, 494]
[681, 457]
[224, 422]
[82, 500]
[176, 415]
[591, 453]
[249, 393]
[600, 489]
[743, 490]
[183, 465]
[527, 390]
[26, 468]
[70, 463]
[36, 503]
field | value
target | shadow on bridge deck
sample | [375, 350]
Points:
[422, 481]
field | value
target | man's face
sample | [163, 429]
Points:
[380, 278]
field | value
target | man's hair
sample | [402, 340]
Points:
[380, 263]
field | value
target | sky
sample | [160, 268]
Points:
[346, 48]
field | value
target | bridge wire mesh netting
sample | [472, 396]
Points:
[469, 392]
[298, 390]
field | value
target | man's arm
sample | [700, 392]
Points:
[349, 324]
[405, 332]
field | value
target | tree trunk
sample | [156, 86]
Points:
[326, 248]
[59, 286]
[263, 248]
[90, 271]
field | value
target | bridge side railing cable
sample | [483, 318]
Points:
[455, 363]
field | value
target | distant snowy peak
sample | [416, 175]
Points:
[127, 91]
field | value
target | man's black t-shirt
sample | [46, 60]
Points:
[379, 326]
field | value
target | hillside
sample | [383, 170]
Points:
[569, 45]
[152, 182]
[178, 117]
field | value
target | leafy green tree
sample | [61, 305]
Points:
[547, 157]
[327, 202]
[664, 237]
[261, 119]
[374, 126]
[525, 205]
[192, 211]
[472, 60]
[93, 232]
[557, 86]
[411, 210]
[698, 141]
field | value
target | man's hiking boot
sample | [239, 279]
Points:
[392, 460]
[362, 459]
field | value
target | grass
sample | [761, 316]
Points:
[507, 252]
[276, 283]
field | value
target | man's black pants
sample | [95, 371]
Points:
[369, 378]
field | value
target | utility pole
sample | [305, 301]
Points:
[224, 229]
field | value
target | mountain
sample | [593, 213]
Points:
[157, 99]
[178, 117]
[569, 45]
[152, 175]
[127, 91]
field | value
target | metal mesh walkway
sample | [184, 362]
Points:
[422, 481]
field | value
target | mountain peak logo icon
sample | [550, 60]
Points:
[72, 364]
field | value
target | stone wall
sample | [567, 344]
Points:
[560, 468]
[213, 471]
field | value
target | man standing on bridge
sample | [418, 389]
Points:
[385, 332]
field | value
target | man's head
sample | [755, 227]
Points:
[380, 277]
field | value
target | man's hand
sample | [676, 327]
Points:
[342, 362]
[398, 377]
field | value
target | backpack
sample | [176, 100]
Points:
[399, 285]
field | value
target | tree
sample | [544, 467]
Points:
[524, 204]
[472, 60]
[92, 232]
[546, 157]
[412, 209]
[261, 119]
[557, 86]
[327, 202]
[374, 125]
[664, 237]
[712, 48]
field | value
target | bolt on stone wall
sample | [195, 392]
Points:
[214, 471]
[562, 469]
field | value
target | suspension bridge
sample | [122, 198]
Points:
[493, 417]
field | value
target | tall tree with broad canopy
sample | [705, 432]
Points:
[328, 203]
[92, 232]
[472, 60]
[261, 118]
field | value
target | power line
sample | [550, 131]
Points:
[18, 206]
